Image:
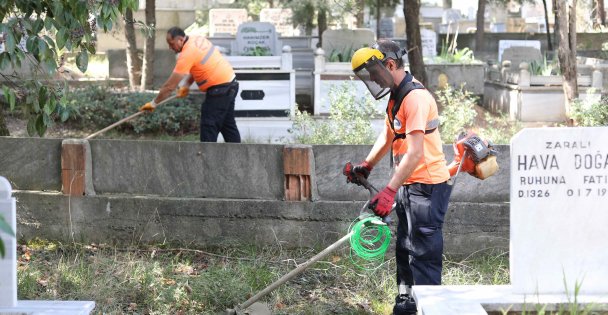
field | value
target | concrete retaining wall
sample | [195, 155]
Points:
[188, 169]
[129, 220]
[32, 163]
[219, 194]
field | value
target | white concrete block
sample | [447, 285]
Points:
[8, 264]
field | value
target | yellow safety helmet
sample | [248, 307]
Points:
[367, 65]
[363, 55]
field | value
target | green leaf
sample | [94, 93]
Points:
[4, 227]
[43, 97]
[10, 42]
[5, 61]
[31, 126]
[42, 47]
[65, 114]
[51, 65]
[61, 38]
[2, 250]
[48, 23]
[91, 48]
[12, 99]
[37, 26]
[41, 125]
[49, 41]
[9, 96]
[82, 60]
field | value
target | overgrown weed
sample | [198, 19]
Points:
[164, 280]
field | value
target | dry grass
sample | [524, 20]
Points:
[159, 280]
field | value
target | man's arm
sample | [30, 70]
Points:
[168, 87]
[381, 146]
[415, 152]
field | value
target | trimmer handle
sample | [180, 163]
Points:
[372, 191]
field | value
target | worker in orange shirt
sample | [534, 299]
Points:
[419, 185]
[201, 62]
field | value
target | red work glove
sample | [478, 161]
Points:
[363, 169]
[182, 91]
[351, 171]
[382, 203]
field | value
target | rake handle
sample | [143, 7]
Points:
[122, 121]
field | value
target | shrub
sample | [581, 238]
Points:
[592, 111]
[457, 112]
[499, 129]
[349, 119]
[96, 107]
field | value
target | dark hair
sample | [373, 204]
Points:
[176, 31]
[391, 50]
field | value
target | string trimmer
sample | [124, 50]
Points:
[369, 237]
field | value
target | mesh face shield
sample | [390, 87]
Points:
[376, 77]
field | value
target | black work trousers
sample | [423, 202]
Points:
[421, 209]
[217, 113]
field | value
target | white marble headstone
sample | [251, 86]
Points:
[8, 264]
[559, 210]
[255, 39]
[225, 22]
[429, 42]
[280, 18]
[504, 44]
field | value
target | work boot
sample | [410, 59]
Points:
[404, 305]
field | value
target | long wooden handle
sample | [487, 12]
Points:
[122, 121]
[295, 272]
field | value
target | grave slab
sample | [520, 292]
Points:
[480, 299]
[50, 308]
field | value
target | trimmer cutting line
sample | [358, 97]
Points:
[122, 121]
[363, 248]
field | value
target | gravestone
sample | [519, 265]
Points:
[504, 44]
[256, 39]
[450, 16]
[225, 22]
[9, 305]
[429, 43]
[346, 41]
[387, 28]
[559, 210]
[8, 264]
[518, 55]
[280, 18]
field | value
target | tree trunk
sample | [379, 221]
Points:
[360, 13]
[147, 78]
[549, 43]
[479, 34]
[599, 17]
[567, 49]
[321, 22]
[411, 11]
[133, 61]
[378, 4]
[555, 24]
[3, 128]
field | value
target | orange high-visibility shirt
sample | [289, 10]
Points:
[204, 61]
[418, 111]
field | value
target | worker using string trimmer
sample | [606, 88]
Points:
[420, 182]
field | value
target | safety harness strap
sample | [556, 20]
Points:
[405, 87]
